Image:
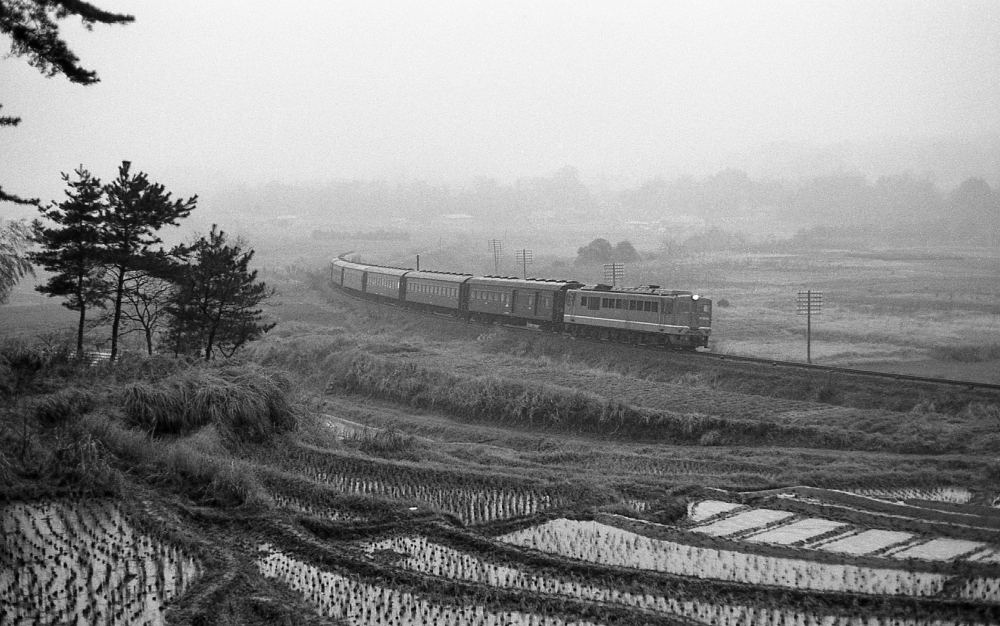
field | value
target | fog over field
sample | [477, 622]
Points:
[446, 312]
[224, 101]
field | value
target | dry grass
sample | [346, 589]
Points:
[248, 403]
[508, 403]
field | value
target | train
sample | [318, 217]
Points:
[647, 315]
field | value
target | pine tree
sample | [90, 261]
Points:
[137, 209]
[33, 29]
[216, 305]
[72, 250]
[15, 264]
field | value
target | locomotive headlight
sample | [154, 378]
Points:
[695, 297]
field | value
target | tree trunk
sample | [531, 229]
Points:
[119, 292]
[149, 340]
[83, 316]
[79, 331]
[211, 338]
[208, 348]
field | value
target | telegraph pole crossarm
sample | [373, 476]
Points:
[614, 272]
[809, 303]
[496, 247]
[525, 258]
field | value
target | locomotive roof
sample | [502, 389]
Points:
[644, 290]
[545, 284]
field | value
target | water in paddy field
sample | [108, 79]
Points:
[356, 602]
[771, 550]
[83, 563]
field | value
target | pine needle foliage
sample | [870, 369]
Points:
[15, 263]
[216, 306]
[33, 29]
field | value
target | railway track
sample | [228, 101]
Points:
[971, 385]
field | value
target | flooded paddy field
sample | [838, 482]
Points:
[83, 562]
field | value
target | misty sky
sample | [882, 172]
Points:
[198, 91]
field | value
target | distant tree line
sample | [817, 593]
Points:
[98, 247]
[361, 235]
[836, 199]
[601, 251]
[719, 199]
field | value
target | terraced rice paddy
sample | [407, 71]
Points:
[797, 532]
[784, 528]
[473, 499]
[424, 556]
[82, 562]
[608, 545]
[344, 598]
[740, 522]
[956, 495]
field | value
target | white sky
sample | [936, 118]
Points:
[198, 91]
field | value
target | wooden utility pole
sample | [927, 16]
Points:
[809, 303]
[525, 258]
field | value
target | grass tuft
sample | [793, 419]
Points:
[248, 403]
[382, 442]
[64, 405]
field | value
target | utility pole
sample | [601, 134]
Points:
[525, 258]
[614, 272]
[809, 303]
[496, 247]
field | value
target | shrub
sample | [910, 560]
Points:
[247, 403]
[203, 476]
[64, 405]
[723, 303]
